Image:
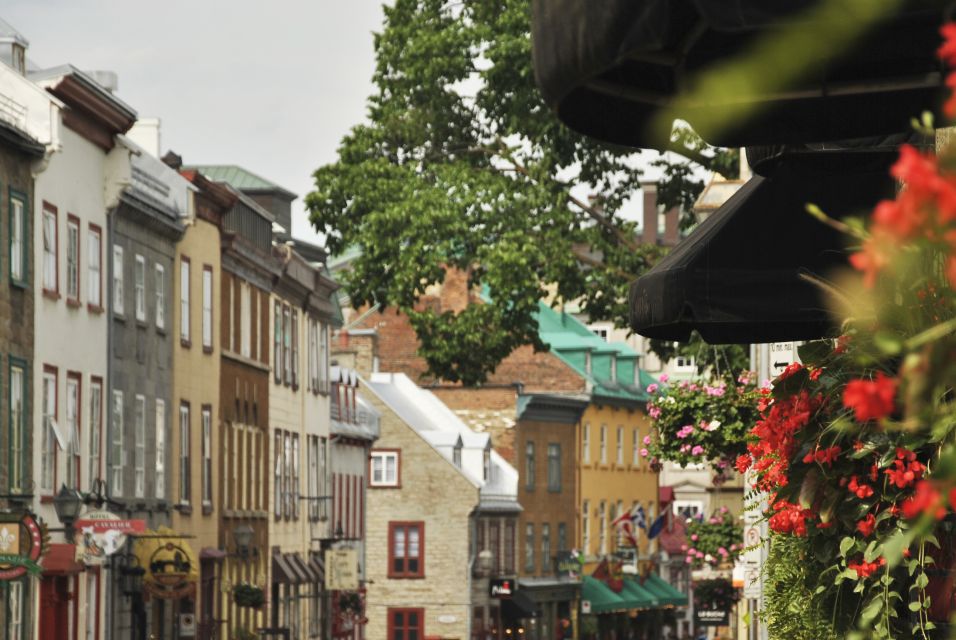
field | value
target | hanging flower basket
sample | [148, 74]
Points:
[701, 422]
[718, 594]
[713, 541]
[248, 595]
[350, 605]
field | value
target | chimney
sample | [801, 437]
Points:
[145, 133]
[13, 48]
[672, 227]
[106, 79]
[650, 213]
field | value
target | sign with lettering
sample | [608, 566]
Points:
[782, 354]
[21, 543]
[341, 570]
[501, 588]
[101, 534]
[712, 617]
[567, 564]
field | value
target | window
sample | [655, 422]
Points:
[184, 332]
[118, 453]
[295, 348]
[486, 464]
[160, 487]
[277, 343]
[16, 603]
[616, 513]
[184, 489]
[18, 235]
[509, 554]
[312, 479]
[529, 466]
[278, 474]
[50, 250]
[636, 447]
[160, 276]
[384, 469]
[92, 604]
[586, 527]
[586, 444]
[545, 548]
[72, 259]
[287, 476]
[207, 456]
[323, 446]
[73, 464]
[562, 536]
[295, 475]
[406, 624]
[406, 550]
[207, 307]
[139, 287]
[613, 368]
[494, 545]
[684, 363]
[602, 528]
[603, 444]
[313, 355]
[286, 345]
[554, 466]
[245, 313]
[688, 508]
[323, 357]
[139, 448]
[620, 445]
[118, 294]
[529, 548]
[456, 455]
[96, 427]
[18, 433]
[49, 443]
[94, 277]
[227, 473]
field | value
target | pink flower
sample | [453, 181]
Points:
[684, 448]
[644, 453]
[697, 450]
[663, 377]
[647, 439]
[722, 552]
[654, 413]
[688, 560]
[651, 388]
[700, 554]
[683, 547]
[724, 509]
[694, 537]
[685, 431]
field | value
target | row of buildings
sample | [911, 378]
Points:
[165, 375]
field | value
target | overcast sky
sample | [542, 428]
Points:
[271, 86]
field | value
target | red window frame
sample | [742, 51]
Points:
[75, 221]
[55, 291]
[405, 626]
[96, 306]
[405, 572]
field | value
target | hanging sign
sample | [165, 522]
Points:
[712, 617]
[102, 533]
[501, 588]
[170, 564]
[340, 570]
[21, 544]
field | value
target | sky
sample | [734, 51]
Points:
[270, 86]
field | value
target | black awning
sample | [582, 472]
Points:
[607, 67]
[737, 277]
[518, 606]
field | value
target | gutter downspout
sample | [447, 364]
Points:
[108, 292]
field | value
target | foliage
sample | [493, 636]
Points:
[711, 359]
[791, 608]
[717, 594]
[713, 541]
[350, 604]
[587, 625]
[248, 595]
[245, 634]
[700, 422]
[856, 448]
[462, 165]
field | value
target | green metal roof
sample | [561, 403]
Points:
[240, 178]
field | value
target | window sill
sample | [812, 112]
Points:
[554, 489]
[401, 576]
[141, 323]
[206, 508]
[186, 343]
[19, 284]
[94, 308]
[73, 303]
[46, 499]
[119, 315]
[384, 486]
[161, 330]
[207, 349]
[52, 295]
[184, 508]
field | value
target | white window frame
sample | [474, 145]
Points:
[586, 527]
[17, 427]
[50, 256]
[17, 239]
[139, 447]
[603, 444]
[15, 606]
[207, 456]
[139, 287]
[688, 508]
[72, 259]
[185, 491]
[49, 443]
[636, 447]
[94, 254]
[118, 453]
[184, 274]
[160, 453]
[119, 295]
[586, 443]
[73, 445]
[602, 528]
[245, 319]
[160, 276]
[379, 464]
[96, 428]
[207, 308]
[620, 445]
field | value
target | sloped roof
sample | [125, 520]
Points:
[9, 34]
[240, 178]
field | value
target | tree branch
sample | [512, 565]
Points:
[694, 155]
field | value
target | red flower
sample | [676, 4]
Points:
[866, 569]
[871, 399]
[789, 371]
[789, 518]
[866, 525]
[952, 498]
[743, 463]
[822, 456]
[924, 498]
[860, 489]
[906, 469]
[947, 50]
[872, 257]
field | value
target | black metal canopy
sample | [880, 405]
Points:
[738, 277]
[607, 67]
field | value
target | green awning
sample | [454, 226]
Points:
[602, 598]
[644, 598]
[667, 594]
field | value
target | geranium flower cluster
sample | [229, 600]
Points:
[713, 541]
[701, 422]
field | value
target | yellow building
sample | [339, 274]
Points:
[195, 324]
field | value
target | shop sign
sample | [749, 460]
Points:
[21, 544]
[567, 565]
[501, 588]
[585, 607]
[712, 617]
[171, 568]
[341, 570]
[101, 534]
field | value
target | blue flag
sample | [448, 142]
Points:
[638, 517]
[657, 526]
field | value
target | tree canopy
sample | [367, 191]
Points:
[461, 164]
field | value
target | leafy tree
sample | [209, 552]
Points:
[461, 164]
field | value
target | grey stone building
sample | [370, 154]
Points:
[144, 226]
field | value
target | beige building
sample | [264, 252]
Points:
[195, 412]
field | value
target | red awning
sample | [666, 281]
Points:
[61, 560]
[665, 496]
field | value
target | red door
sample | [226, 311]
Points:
[55, 608]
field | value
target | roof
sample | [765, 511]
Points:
[40, 76]
[443, 430]
[9, 34]
[240, 178]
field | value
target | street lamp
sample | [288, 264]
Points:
[67, 504]
[243, 536]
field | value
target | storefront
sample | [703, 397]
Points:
[164, 607]
[555, 604]
[21, 546]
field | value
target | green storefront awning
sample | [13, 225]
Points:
[602, 598]
[638, 593]
[667, 594]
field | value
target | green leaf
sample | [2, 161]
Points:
[922, 581]
[815, 352]
[916, 605]
[846, 544]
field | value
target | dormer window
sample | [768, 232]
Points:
[19, 59]
[613, 369]
[486, 466]
[456, 454]
[587, 362]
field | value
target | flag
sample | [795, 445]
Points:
[628, 530]
[621, 519]
[657, 526]
[638, 517]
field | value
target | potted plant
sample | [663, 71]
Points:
[714, 541]
[248, 595]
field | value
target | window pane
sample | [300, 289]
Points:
[160, 296]
[93, 266]
[207, 308]
[118, 294]
[398, 545]
[16, 240]
[184, 300]
[413, 542]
